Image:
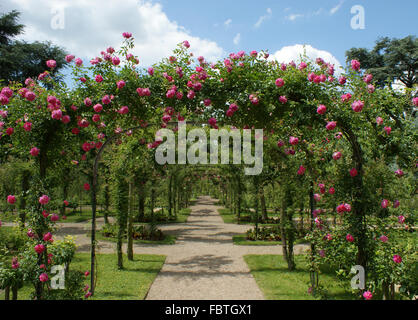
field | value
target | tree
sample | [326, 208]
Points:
[390, 59]
[20, 60]
[9, 28]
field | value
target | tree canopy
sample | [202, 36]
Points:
[390, 59]
[20, 60]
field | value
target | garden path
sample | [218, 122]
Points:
[203, 264]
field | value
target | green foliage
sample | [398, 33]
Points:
[20, 60]
[74, 288]
[390, 59]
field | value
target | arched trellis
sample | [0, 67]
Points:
[94, 193]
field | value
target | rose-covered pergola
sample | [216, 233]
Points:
[323, 122]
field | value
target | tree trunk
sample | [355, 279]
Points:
[7, 293]
[106, 203]
[141, 205]
[313, 274]
[14, 292]
[152, 201]
[170, 184]
[122, 210]
[263, 203]
[26, 174]
[130, 250]
[358, 223]
[239, 196]
[287, 232]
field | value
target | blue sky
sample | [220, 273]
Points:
[315, 25]
[215, 28]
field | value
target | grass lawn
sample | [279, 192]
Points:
[80, 216]
[168, 239]
[229, 217]
[132, 283]
[182, 215]
[76, 216]
[241, 240]
[277, 283]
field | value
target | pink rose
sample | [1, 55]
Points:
[39, 248]
[301, 171]
[367, 295]
[87, 102]
[279, 82]
[331, 125]
[47, 236]
[115, 61]
[66, 119]
[9, 131]
[34, 152]
[69, 58]
[98, 108]
[43, 277]
[321, 109]
[355, 65]
[283, 99]
[293, 141]
[212, 122]
[342, 80]
[397, 258]
[56, 114]
[349, 238]
[357, 106]
[78, 62]
[353, 172]
[120, 84]
[11, 199]
[51, 64]
[383, 238]
[368, 78]
[123, 110]
[44, 200]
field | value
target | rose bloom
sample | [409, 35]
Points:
[397, 258]
[367, 295]
[383, 238]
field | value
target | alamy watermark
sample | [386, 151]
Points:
[359, 280]
[194, 147]
[58, 17]
[358, 21]
[58, 281]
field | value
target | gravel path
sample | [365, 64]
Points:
[205, 264]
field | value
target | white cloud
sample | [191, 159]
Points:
[289, 53]
[237, 39]
[293, 17]
[227, 23]
[336, 8]
[317, 12]
[263, 18]
[91, 26]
